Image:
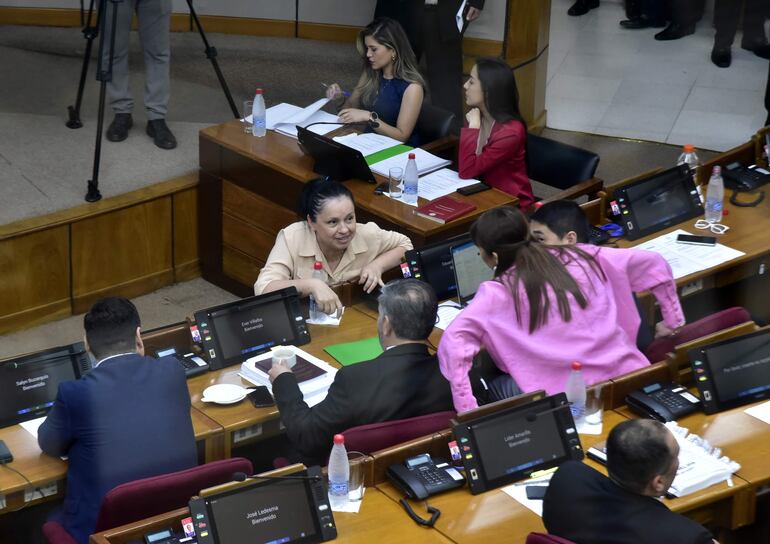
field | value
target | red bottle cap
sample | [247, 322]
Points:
[576, 365]
[339, 439]
[688, 148]
[259, 91]
[318, 265]
[411, 155]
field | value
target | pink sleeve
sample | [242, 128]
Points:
[460, 343]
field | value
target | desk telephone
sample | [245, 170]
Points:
[663, 402]
[740, 178]
[420, 477]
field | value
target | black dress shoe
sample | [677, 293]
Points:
[118, 129]
[721, 56]
[674, 31]
[760, 48]
[634, 23]
[160, 134]
[581, 7]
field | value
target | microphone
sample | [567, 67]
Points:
[532, 416]
[242, 477]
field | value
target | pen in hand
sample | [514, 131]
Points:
[346, 94]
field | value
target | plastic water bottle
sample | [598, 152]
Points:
[715, 194]
[690, 158]
[410, 181]
[318, 274]
[576, 393]
[339, 473]
[258, 115]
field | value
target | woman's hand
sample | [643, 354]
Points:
[352, 115]
[334, 91]
[326, 299]
[474, 118]
[662, 330]
[371, 277]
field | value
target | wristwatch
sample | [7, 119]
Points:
[374, 119]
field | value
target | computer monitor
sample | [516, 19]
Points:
[29, 383]
[269, 511]
[234, 332]
[333, 159]
[470, 271]
[658, 201]
[732, 372]
[433, 264]
[511, 444]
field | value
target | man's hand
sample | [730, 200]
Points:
[474, 118]
[353, 115]
[276, 370]
[326, 299]
[371, 277]
[472, 14]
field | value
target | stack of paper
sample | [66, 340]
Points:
[314, 376]
[426, 162]
[284, 118]
[368, 143]
[440, 183]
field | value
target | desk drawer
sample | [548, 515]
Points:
[246, 238]
[254, 209]
[240, 267]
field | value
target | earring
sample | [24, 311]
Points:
[393, 57]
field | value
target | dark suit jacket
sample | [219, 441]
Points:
[409, 13]
[405, 381]
[128, 418]
[585, 506]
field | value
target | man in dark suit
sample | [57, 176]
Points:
[128, 418]
[684, 16]
[432, 30]
[727, 15]
[404, 381]
[583, 505]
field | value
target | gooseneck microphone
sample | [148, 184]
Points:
[532, 416]
[242, 477]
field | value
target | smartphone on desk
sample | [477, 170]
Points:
[696, 240]
[261, 397]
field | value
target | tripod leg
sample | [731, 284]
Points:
[90, 32]
[211, 54]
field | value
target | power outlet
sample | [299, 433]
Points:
[247, 433]
[692, 287]
[40, 492]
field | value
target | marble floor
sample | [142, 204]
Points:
[604, 79]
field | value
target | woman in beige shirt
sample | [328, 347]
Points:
[348, 251]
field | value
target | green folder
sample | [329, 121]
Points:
[351, 353]
[387, 153]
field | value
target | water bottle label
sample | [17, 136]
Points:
[578, 410]
[410, 189]
[338, 488]
[259, 123]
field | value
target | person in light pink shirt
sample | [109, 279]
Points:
[546, 307]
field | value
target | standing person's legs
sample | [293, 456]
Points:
[118, 90]
[444, 61]
[754, 39]
[767, 97]
[684, 15]
[726, 15]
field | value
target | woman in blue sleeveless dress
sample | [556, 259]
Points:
[390, 90]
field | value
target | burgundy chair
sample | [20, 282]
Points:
[378, 436]
[661, 347]
[542, 538]
[140, 499]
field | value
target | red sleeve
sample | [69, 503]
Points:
[502, 144]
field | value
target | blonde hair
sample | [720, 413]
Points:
[390, 34]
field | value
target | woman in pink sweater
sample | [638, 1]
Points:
[546, 307]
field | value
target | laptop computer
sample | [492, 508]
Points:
[470, 270]
[732, 372]
[333, 159]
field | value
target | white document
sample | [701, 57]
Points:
[441, 182]
[284, 118]
[367, 143]
[686, 259]
[459, 17]
[313, 390]
[518, 491]
[326, 319]
[426, 162]
[761, 411]
[447, 314]
[33, 425]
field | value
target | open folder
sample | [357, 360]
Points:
[284, 118]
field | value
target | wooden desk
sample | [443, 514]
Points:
[249, 189]
[379, 520]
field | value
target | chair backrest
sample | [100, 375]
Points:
[558, 164]
[378, 436]
[661, 347]
[542, 538]
[435, 123]
[148, 497]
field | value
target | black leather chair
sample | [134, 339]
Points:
[562, 166]
[435, 123]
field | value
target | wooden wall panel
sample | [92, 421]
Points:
[241, 267]
[245, 238]
[186, 260]
[126, 253]
[254, 209]
[36, 278]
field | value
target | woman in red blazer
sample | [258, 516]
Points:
[493, 146]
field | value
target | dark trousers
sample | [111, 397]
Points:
[686, 12]
[727, 13]
[767, 97]
[654, 10]
[444, 62]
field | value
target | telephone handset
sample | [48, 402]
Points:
[419, 477]
[663, 402]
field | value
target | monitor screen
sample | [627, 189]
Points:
[740, 369]
[470, 270]
[659, 199]
[433, 264]
[29, 384]
[237, 331]
[267, 513]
